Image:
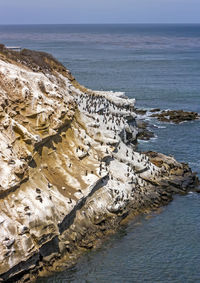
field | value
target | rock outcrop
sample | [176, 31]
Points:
[69, 170]
[176, 116]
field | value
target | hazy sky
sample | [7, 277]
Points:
[99, 11]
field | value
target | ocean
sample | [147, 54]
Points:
[159, 65]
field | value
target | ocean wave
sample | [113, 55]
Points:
[159, 126]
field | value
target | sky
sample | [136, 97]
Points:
[98, 11]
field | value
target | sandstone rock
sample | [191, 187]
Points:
[69, 171]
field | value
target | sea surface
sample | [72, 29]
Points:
[159, 65]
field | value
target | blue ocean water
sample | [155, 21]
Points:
[159, 65]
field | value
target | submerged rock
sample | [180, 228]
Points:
[69, 169]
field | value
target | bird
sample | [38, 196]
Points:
[38, 191]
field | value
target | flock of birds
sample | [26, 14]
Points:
[139, 170]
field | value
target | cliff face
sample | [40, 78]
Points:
[69, 171]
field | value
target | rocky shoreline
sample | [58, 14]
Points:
[70, 173]
[176, 116]
[169, 116]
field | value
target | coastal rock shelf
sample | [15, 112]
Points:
[170, 116]
[69, 169]
[176, 116]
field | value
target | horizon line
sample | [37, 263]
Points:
[123, 23]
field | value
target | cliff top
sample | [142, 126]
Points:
[37, 61]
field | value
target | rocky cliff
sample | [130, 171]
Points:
[69, 170]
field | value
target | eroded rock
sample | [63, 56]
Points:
[176, 116]
[69, 170]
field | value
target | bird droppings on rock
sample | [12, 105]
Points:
[70, 172]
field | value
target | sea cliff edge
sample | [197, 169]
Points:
[70, 172]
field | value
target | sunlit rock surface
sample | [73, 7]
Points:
[69, 169]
